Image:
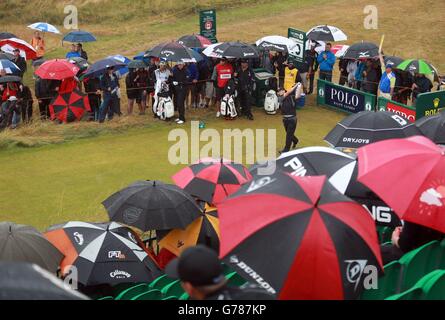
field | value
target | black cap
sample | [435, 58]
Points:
[198, 265]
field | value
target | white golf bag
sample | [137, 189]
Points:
[166, 109]
[228, 108]
[271, 104]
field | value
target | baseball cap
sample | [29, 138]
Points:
[12, 98]
[198, 265]
[389, 65]
[162, 63]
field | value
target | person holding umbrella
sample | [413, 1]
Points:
[109, 85]
[38, 44]
[387, 81]
[180, 81]
[83, 53]
[326, 61]
[246, 82]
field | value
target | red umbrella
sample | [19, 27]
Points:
[56, 70]
[212, 180]
[298, 237]
[69, 107]
[20, 44]
[409, 175]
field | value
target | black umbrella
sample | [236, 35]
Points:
[194, 41]
[26, 281]
[393, 60]
[81, 63]
[99, 67]
[38, 62]
[7, 35]
[171, 51]
[26, 244]
[326, 33]
[367, 127]
[151, 205]
[237, 50]
[6, 79]
[8, 56]
[362, 49]
[433, 127]
[314, 161]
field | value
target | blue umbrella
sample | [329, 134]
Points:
[98, 68]
[79, 36]
[121, 58]
[9, 66]
[44, 27]
[196, 54]
[141, 56]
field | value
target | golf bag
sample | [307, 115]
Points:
[271, 102]
[228, 108]
[166, 108]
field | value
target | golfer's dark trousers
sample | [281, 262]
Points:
[245, 102]
[290, 125]
[94, 100]
[180, 95]
[44, 108]
[325, 75]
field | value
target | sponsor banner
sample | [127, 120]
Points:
[297, 55]
[343, 98]
[207, 24]
[407, 112]
[429, 104]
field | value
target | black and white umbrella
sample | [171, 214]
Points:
[26, 281]
[362, 50]
[237, 50]
[393, 60]
[21, 243]
[313, 161]
[433, 127]
[171, 51]
[102, 253]
[326, 33]
[367, 127]
[276, 43]
[152, 205]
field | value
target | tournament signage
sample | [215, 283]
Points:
[409, 113]
[297, 54]
[207, 24]
[343, 98]
[429, 104]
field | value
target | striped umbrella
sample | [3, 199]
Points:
[26, 50]
[9, 66]
[69, 107]
[44, 27]
[103, 253]
[416, 66]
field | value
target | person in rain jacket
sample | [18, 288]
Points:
[326, 61]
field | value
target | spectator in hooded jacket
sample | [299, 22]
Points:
[326, 61]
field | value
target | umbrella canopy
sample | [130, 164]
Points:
[44, 27]
[103, 253]
[79, 62]
[38, 62]
[15, 43]
[69, 107]
[209, 51]
[6, 79]
[212, 180]
[298, 237]
[326, 33]
[171, 51]
[56, 69]
[120, 58]
[100, 67]
[26, 244]
[416, 66]
[414, 178]
[204, 230]
[276, 43]
[433, 127]
[6, 56]
[141, 56]
[7, 35]
[151, 205]
[362, 50]
[237, 50]
[367, 127]
[339, 49]
[137, 64]
[315, 161]
[194, 41]
[79, 36]
[393, 60]
[9, 66]
[26, 281]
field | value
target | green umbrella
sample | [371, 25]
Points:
[416, 66]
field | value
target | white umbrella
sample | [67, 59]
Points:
[326, 33]
[209, 51]
[276, 43]
[44, 27]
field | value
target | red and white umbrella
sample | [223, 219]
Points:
[339, 49]
[8, 45]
